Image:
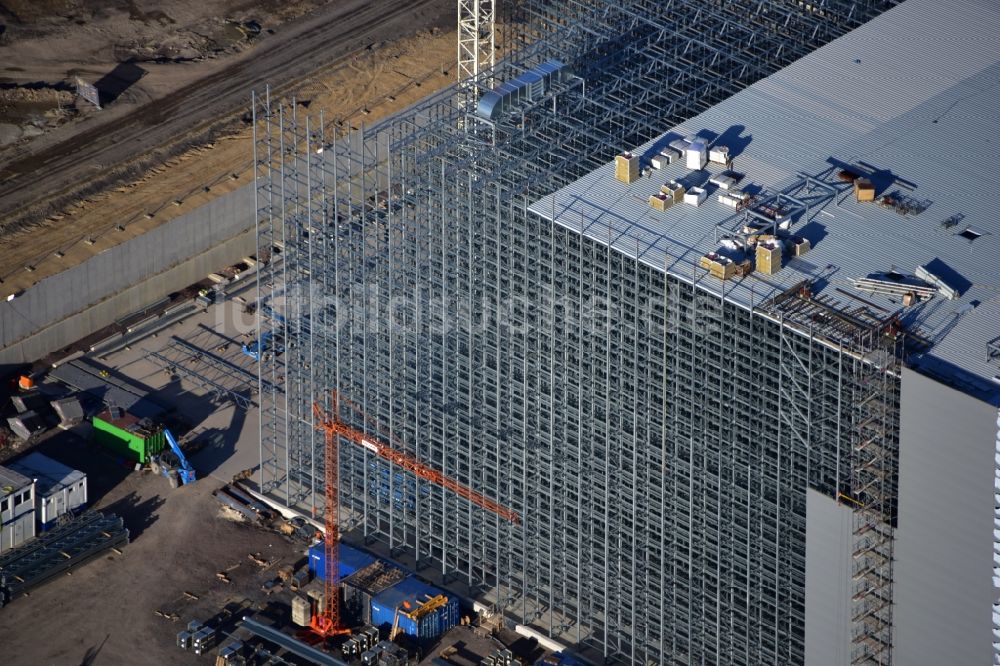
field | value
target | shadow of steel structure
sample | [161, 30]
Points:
[590, 393]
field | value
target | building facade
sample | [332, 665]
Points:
[703, 470]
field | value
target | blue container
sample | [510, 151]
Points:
[570, 660]
[351, 559]
[408, 595]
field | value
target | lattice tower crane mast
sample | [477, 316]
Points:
[476, 42]
[328, 622]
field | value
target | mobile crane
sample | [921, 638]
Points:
[327, 621]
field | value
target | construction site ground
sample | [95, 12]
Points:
[180, 134]
[127, 608]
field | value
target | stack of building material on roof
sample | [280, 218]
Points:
[768, 256]
[894, 284]
[627, 168]
[943, 287]
[695, 196]
[864, 190]
[697, 155]
[719, 155]
[660, 201]
[718, 265]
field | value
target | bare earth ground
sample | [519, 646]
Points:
[105, 611]
[363, 86]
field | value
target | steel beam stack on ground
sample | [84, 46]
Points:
[60, 549]
[414, 281]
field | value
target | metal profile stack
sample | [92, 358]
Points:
[84, 375]
[882, 283]
[60, 549]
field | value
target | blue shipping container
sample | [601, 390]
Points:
[414, 592]
[351, 559]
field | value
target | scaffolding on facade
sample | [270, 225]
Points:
[875, 344]
[401, 268]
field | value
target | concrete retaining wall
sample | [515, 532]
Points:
[128, 277]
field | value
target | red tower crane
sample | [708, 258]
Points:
[328, 622]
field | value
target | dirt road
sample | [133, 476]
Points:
[44, 182]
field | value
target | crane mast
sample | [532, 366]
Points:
[329, 622]
[476, 44]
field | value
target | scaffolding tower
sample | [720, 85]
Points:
[578, 386]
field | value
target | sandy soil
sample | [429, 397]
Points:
[46, 44]
[367, 85]
[380, 81]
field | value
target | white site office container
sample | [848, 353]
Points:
[17, 509]
[58, 488]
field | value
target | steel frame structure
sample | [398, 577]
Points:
[609, 404]
[476, 39]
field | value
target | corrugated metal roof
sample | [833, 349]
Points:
[50, 475]
[13, 480]
[916, 92]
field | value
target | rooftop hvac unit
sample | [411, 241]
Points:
[695, 196]
[697, 156]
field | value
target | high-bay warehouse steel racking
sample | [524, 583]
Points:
[661, 437]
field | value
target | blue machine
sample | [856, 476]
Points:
[184, 470]
[255, 348]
